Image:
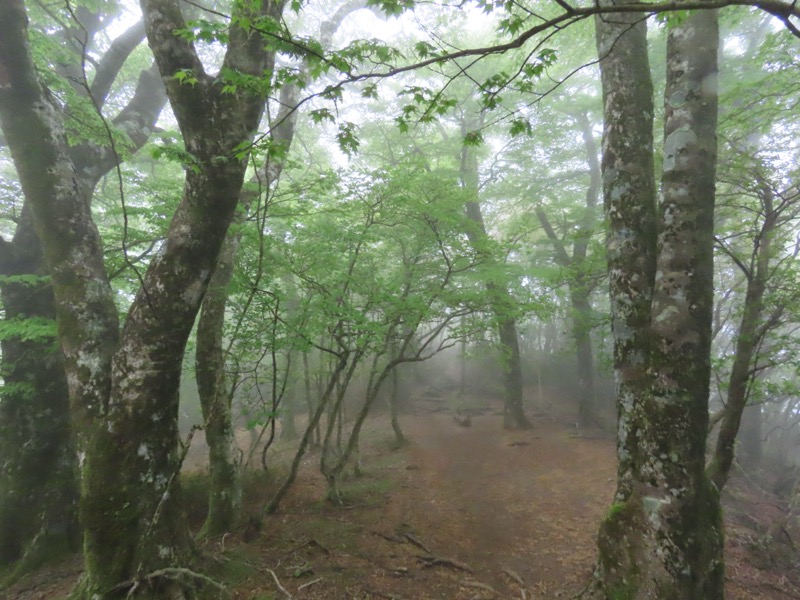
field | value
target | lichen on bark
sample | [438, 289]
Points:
[664, 540]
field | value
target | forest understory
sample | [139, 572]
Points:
[459, 513]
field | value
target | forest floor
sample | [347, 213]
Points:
[458, 513]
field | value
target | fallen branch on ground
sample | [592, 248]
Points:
[514, 576]
[309, 584]
[481, 586]
[278, 583]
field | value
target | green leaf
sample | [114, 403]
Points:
[370, 90]
[392, 7]
[186, 77]
[347, 139]
[519, 127]
[28, 329]
[321, 114]
[473, 138]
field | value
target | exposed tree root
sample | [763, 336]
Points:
[438, 561]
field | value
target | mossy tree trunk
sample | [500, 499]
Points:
[123, 385]
[38, 462]
[38, 497]
[663, 535]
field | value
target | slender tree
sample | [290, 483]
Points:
[502, 302]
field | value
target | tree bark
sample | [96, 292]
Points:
[663, 535]
[43, 417]
[124, 385]
[38, 463]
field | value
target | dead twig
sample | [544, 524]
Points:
[513, 576]
[481, 586]
[309, 584]
[173, 573]
[278, 583]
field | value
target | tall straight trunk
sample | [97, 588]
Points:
[582, 332]
[224, 494]
[394, 407]
[502, 303]
[748, 338]
[663, 535]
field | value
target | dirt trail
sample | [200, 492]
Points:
[529, 502]
[504, 511]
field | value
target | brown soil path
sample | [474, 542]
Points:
[526, 502]
[502, 512]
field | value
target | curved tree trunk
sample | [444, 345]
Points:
[41, 476]
[124, 385]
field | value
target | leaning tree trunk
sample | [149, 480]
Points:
[748, 338]
[663, 535]
[38, 463]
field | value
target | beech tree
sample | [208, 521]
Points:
[663, 534]
[39, 479]
[123, 384]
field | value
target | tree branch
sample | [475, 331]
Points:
[112, 61]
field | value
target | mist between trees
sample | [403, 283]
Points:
[239, 226]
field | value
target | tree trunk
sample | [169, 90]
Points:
[501, 301]
[124, 385]
[224, 493]
[582, 331]
[580, 287]
[514, 412]
[394, 409]
[747, 341]
[47, 458]
[38, 463]
[663, 535]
